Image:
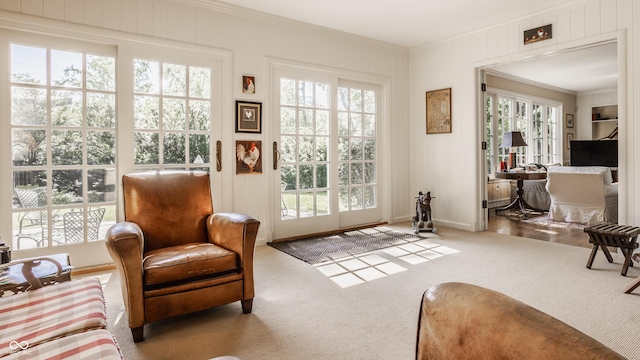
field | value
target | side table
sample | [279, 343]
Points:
[519, 203]
[13, 279]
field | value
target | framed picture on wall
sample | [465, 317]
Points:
[248, 117]
[248, 159]
[569, 120]
[439, 111]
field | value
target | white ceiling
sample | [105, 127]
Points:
[414, 23]
[589, 69]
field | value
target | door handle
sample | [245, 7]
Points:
[276, 155]
[219, 155]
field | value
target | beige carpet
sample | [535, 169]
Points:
[302, 311]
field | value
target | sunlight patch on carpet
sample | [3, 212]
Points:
[360, 256]
[359, 269]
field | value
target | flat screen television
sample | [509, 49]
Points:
[594, 153]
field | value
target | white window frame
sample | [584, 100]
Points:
[524, 154]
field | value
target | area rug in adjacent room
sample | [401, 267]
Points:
[544, 220]
[325, 248]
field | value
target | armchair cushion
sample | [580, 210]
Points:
[188, 261]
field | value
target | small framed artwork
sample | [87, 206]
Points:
[248, 158]
[248, 117]
[248, 84]
[538, 34]
[569, 139]
[439, 111]
[569, 120]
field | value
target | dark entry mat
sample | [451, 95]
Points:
[324, 248]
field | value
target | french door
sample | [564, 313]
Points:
[328, 171]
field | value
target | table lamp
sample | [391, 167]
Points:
[512, 139]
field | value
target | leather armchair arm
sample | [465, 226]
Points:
[125, 242]
[236, 232]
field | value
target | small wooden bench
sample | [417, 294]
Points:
[613, 235]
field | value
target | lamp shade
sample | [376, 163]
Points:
[512, 139]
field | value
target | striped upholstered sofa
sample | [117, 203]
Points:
[61, 321]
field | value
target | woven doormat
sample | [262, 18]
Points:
[325, 248]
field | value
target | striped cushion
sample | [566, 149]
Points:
[51, 312]
[97, 344]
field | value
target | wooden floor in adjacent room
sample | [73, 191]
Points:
[513, 226]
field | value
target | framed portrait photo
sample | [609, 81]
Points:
[248, 117]
[570, 120]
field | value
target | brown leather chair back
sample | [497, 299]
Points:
[171, 207]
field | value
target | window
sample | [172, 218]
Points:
[356, 148]
[172, 115]
[63, 141]
[536, 119]
[304, 137]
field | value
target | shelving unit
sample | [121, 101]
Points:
[604, 119]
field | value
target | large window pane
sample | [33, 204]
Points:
[28, 106]
[179, 115]
[29, 147]
[51, 119]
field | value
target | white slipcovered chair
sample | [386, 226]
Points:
[584, 194]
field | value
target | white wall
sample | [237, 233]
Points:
[450, 164]
[254, 40]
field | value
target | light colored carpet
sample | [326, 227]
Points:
[301, 312]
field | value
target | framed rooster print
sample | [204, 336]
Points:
[248, 117]
[248, 157]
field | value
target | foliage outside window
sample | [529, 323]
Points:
[63, 141]
[172, 116]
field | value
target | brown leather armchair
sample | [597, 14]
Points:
[174, 255]
[461, 321]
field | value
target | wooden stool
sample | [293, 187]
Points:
[620, 236]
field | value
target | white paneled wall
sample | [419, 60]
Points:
[450, 164]
[253, 39]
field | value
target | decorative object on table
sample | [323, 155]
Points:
[248, 117]
[422, 220]
[569, 140]
[512, 139]
[249, 84]
[439, 111]
[538, 34]
[5, 253]
[248, 159]
[570, 120]
[34, 272]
